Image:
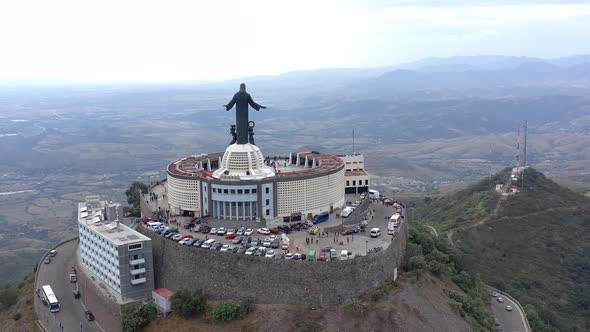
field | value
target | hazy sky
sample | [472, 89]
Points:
[146, 40]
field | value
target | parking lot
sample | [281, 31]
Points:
[299, 241]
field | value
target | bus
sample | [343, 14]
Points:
[51, 299]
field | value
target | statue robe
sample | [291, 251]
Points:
[242, 99]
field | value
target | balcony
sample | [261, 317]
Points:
[137, 271]
[137, 261]
[137, 281]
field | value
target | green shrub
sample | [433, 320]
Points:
[135, 316]
[226, 312]
[189, 303]
[355, 307]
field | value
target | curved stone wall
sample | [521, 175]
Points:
[227, 276]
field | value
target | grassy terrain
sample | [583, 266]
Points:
[17, 308]
[534, 245]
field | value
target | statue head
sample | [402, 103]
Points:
[243, 87]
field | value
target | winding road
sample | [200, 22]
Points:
[56, 274]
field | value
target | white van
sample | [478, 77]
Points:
[155, 224]
[375, 232]
[344, 255]
[374, 194]
[346, 212]
[207, 244]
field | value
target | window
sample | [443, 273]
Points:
[267, 212]
[225, 191]
[233, 191]
[135, 246]
[354, 182]
[348, 183]
[366, 182]
[267, 190]
[239, 191]
[267, 201]
[246, 191]
[254, 191]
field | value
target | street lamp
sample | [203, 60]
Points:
[366, 247]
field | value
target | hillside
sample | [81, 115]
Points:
[421, 306]
[16, 306]
[534, 245]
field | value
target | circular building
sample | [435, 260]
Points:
[241, 185]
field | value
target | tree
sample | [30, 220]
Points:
[189, 303]
[134, 198]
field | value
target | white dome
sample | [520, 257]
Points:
[244, 161]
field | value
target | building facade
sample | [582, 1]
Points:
[357, 179]
[117, 255]
[242, 185]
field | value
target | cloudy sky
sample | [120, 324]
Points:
[172, 40]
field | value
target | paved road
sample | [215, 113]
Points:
[510, 321]
[56, 274]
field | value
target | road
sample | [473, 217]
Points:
[510, 321]
[56, 274]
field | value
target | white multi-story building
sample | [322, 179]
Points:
[357, 179]
[117, 255]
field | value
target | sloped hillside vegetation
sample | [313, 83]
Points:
[536, 247]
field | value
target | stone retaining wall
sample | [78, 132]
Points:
[228, 276]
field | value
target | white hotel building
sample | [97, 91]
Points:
[115, 254]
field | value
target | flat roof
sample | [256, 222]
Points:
[355, 173]
[187, 167]
[164, 292]
[117, 234]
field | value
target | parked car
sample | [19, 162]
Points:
[237, 240]
[171, 234]
[177, 237]
[234, 249]
[76, 293]
[88, 316]
[251, 251]
[230, 231]
[285, 229]
[47, 260]
[314, 230]
[297, 257]
[266, 243]
[205, 229]
[207, 244]
[289, 255]
[275, 230]
[346, 232]
[241, 251]
[248, 231]
[270, 254]
[185, 239]
[225, 247]
[500, 299]
[240, 231]
[275, 244]
[264, 231]
[261, 251]
[375, 232]
[509, 308]
[216, 246]
[198, 242]
[231, 236]
[213, 231]
[494, 294]
[52, 253]
[255, 241]
[323, 258]
[221, 231]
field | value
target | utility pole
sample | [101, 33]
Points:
[353, 148]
